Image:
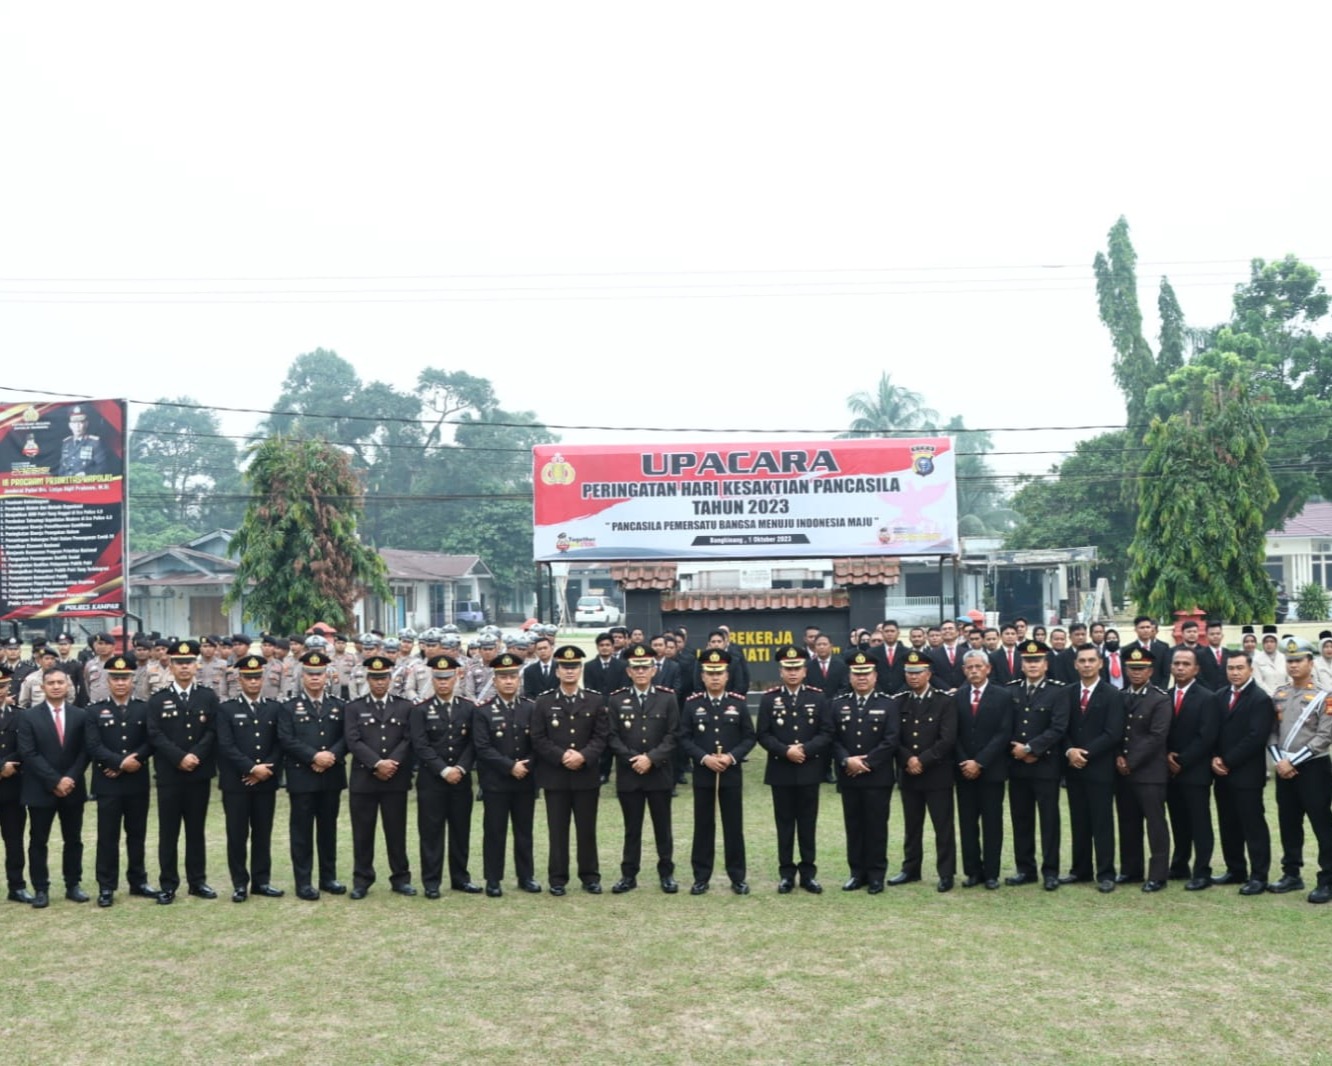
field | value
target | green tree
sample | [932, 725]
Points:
[300, 559]
[320, 397]
[196, 465]
[1201, 531]
[982, 507]
[1135, 367]
[887, 410]
[151, 514]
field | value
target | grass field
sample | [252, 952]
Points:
[907, 976]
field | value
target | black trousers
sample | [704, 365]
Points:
[865, 814]
[1242, 820]
[1140, 805]
[581, 805]
[40, 820]
[939, 803]
[367, 810]
[658, 804]
[1190, 808]
[1307, 795]
[314, 820]
[500, 810]
[1028, 797]
[249, 817]
[187, 804]
[796, 810]
[980, 816]
[703, 855]
[440, 812]
[127, 812]
[13, 821]
[1091, 819]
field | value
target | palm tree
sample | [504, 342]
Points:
[888, 409]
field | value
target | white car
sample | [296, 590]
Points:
[596, 611]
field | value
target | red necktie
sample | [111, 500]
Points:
[1114, 664]
[1234, 695]
[890, 655]
[824, 667]
[1086, 698]
[1218, 656]
[1010, 660]
[59, 724]
[975, 702]
[950, 655]
[1179, 699]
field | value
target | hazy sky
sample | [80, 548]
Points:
[695, 215]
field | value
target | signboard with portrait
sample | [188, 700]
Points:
[62, 509]
[745, 500]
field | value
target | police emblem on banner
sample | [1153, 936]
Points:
[557, 472]
[922, 459]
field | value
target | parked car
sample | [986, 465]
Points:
[469, 614]
[596, 611]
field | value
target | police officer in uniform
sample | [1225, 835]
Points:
[1039, 721]
[441, 732]
[1143, 774]
[119, 750]
[1299, 746]
[717, 733]
[644, 723]
[82, 452]
[502, 737]
[569, 733]
[212, 671]
[796, 730]
[866, 727]
[249, 774]
[314, 749]
[182, 725]
[381, 776]
[925, 770]
[13, 815]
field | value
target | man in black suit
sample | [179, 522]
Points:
[119, 750]
[644, 722]
[795, 729]
[569, 735]
[1247, 715]
[826, 672]
[890, 658]
[1040, 720]
[1140, 788]
[984, 730]
[1190, 748]
[1212, 657]
[946, 665]
[54, 754]
[1006, 662]
[1145, 628]
[1095, 738]
[667, 670]
[604, 673]
[539, 674]
[182, 725]
[376, 730]
[13, 815]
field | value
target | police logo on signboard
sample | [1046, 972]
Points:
[922, 459]
[557, 472]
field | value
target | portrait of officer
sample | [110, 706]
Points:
[82, 452]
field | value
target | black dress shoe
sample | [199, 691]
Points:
[903, 879]
[470, 887]
[1106, 885]
[407, 889]
[167, 895]
[785, 885]
[307, 892]
[811, 886]
[203, 891]
[698, 888]
[1072, 879]
[1051, 882]
[1253, 888]
[1320, 894]
[875, 887]
[1126, 879]
[494, 890]
[75, 894]
[333, 888]
[529, 885]
[592, 888]
[945, 885]
[360, 891]
[268, 891]
[1288, 883]
[20, 895]
[1228, 878]
[239, 896]
[991, 883]
[1197, 884]
[105, 897]
[624, 884]
[431, 893]
[1153, 886]
[40, 899]
[852, 883]
[972, 881]
[558, 890]
[1021, 879]
[740, 888]
[143, 890]
[670, 885]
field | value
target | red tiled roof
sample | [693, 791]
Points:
[644, 575]
[756, 600]
[866, 570]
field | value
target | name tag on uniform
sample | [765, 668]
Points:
[731, 712]
[877, 710]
